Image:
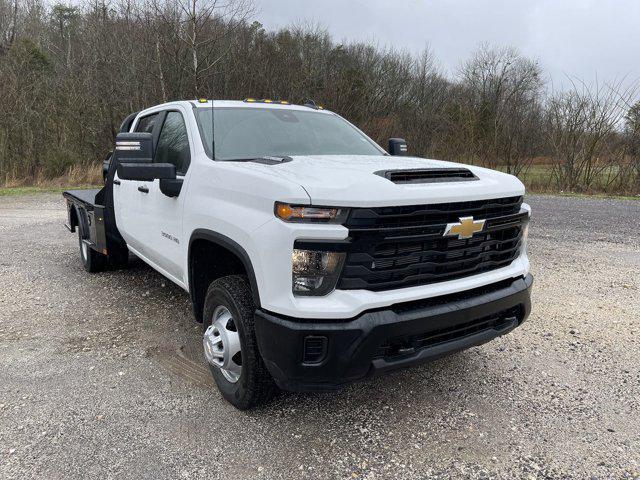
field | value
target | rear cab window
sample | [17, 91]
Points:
[145, 124]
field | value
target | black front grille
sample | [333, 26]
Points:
[398, 247]
[410, 344]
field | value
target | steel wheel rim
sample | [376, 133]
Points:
[222, 344]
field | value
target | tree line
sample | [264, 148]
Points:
[70, 74]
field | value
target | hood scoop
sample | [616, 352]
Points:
[428, 175]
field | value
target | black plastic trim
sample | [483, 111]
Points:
[146, 172]
[428, 175]
[125, 126]
[354, 345]
[171, 187]
[229, 244]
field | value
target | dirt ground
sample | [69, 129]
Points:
[102, 375]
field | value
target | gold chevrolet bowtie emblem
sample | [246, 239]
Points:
[465, 228]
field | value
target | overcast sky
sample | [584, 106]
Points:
[587, 39]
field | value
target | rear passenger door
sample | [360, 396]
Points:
[162, 215]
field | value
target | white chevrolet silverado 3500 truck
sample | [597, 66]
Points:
[313, 258]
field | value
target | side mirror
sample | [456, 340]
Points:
[134, 157]
[397, 147]
[106, 163]
[146, 172]
[134, 148]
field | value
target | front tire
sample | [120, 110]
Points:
[230, 344]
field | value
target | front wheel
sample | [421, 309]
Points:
[230, 345]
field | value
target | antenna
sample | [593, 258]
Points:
[312, 104]
[213, 131]
[213, 116]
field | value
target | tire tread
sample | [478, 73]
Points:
[261, 387]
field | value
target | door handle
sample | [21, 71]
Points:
[143, 189]
[116, 182]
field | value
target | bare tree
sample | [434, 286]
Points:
[70, 73]
[584, 124]
[632, 140]
[502, 102]
[201, 25]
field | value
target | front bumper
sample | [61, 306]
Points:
[307, 355]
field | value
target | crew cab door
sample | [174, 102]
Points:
[162, 214]
[128, 200]
[150, 221]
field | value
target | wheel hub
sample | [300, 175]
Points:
[222, 344]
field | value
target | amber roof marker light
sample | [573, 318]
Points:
[268, 101]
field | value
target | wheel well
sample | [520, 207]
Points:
[208, 261]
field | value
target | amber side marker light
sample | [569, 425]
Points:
[305, 213]
[284, 211]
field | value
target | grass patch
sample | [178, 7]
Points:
[539, 179]
[11, 191]
[601, 196]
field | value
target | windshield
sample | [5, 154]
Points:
[246, 133]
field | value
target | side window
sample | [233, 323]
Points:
[146, 124]
[173, 144]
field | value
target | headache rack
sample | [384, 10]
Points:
[399, 247]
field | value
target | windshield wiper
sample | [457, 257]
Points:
[266, 160]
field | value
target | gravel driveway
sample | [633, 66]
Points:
[102, 376]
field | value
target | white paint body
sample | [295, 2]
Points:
[236, 199]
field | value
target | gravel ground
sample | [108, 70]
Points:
[102, 375]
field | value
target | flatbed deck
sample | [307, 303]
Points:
[87, 196]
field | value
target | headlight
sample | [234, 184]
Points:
[309, 214]
[315, 273]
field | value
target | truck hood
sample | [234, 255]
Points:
[350, 181]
